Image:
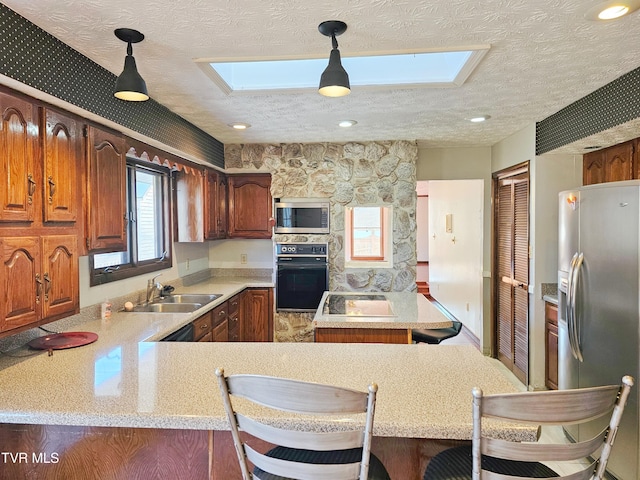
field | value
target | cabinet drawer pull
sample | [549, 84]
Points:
[204, 327]
[47, 286]
[32, 188]
[52, 189]
[38, 287]
[221, 313]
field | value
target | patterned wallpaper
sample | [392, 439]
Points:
[32, 56]
[615, 103]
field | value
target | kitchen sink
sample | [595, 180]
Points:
[189, 298]
[168, 307]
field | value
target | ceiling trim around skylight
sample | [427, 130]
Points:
[235, 76]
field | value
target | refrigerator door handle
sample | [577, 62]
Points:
[569, 313]
[576, 319]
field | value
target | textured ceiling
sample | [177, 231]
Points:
[544, 55]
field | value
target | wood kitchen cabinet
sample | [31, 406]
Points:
[212, 326]
[551, 328]
[62, 156]
[18, 144]
[256, 315]
[593, 168]
[189, 211]
[201, 205]
[50, 183]
[202, 328]
[250, 208]
[215, 214]
[234, 317]
[38, 279]
[106, 191]
[610, 164]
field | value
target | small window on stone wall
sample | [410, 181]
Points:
[368, 237]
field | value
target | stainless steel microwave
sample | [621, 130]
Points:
[302, 217]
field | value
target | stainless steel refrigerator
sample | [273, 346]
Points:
[599, 304]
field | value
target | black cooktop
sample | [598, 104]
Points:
[370, 305]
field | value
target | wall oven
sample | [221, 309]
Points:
[302, 276]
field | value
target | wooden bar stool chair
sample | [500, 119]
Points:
[495, 459]
[309, 454]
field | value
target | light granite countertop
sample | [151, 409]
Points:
[408, 310]
[125, 379]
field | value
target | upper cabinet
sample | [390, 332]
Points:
[189, 210]
[18, 144]
[250, 208]
[50, 183]
[211, 205]
[611, 164]
[62, 154]
[215, 205]
[106, 191]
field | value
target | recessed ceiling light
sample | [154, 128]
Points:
[610, 13]
[479, 118]
[239, 125]
[612, 9]
[347, 123]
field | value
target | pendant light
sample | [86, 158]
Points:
[130, 86]
[334, 81]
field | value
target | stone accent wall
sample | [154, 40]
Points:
[351, 174]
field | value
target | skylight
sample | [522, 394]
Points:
[450, 68]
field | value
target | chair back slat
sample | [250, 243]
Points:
[297, 396]
[552, 407]
[308, 471]
[541, 452]
[558, 407]
[300, 398]
[297, 439]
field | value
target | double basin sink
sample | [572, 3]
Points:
[179, 303]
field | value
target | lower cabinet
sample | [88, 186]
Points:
[245, 317]
[234, 317]
[212, 326]
[256, 315]
[38, 279]
[551, 322]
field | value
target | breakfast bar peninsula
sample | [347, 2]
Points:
[130, 407]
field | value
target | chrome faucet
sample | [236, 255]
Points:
[152, 286]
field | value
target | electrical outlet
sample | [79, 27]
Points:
[467, 307]
[243, 258]
[187, 264]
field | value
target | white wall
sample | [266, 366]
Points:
[422, 234]
[228, 253]
[458, 164]
[456, 262]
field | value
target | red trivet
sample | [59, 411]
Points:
[60, 341]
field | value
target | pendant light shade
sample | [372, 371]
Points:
[334, 81]
[130, 86]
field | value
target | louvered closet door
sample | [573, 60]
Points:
[512, 273]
